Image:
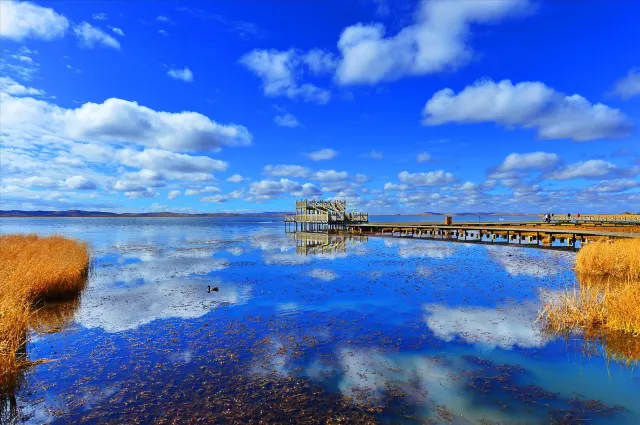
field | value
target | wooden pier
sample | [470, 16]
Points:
[598, 219]
[332, 217]
[525, 234]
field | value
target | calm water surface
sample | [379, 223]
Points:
[227, 318]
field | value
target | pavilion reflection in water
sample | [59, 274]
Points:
[311, 243]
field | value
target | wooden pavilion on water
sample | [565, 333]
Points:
[323, 216]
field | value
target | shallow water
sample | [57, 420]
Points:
[229, 320]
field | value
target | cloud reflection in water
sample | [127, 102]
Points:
[488, 327]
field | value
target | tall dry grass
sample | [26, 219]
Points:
[595, 308]
[33, 270]
[606, 302]
[618, 259]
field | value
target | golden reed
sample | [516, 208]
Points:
[33, 270]
[606, 301]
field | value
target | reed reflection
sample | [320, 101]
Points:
[44, 318]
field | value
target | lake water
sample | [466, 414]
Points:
[456, 219]
[232, 320]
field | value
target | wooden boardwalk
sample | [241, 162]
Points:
[333, 217]
[544, 235]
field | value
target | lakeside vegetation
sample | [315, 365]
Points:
[34, 270]
[604, 304]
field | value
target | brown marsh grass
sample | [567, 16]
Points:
[33, 270]
[587, 307]
[619, 259]
[606, 302]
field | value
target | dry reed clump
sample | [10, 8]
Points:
[585, 307]
[606, 299]
[14, 319]
[33, 269]
[619, 259]
[47, 268]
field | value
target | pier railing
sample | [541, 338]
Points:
[323, 216]
[312, 218]
[358, 217]
[622, 219]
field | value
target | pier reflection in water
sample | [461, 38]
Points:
[309, 243]
[313, 328]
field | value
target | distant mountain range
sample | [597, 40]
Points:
[80, 213]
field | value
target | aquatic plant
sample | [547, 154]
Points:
[604, 302]
[588, 307]
[14, 319]
[33, 270]
[618, 259]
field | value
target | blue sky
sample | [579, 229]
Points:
[450, 106]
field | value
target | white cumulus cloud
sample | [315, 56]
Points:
[531, 105]
[199, 191]
[322, 154]
[593, 168]
[181, 74]
[90, 36]
[116, 120]
[436, 42]
[21, 19]
[280, 70]
[236, 178]
[269, 189]
[286, 120]
[629, 86]
[432, 178]
[157, 159]
[330, 175]
[393, 186]
[80, 183]
[216, 199]
[529, 161]
[7, 85]
[286, 170]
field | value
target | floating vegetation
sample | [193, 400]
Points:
[500, 384]
[33, 271]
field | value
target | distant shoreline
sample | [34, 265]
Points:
[91, 214]
[103, 214]
[268, 214]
